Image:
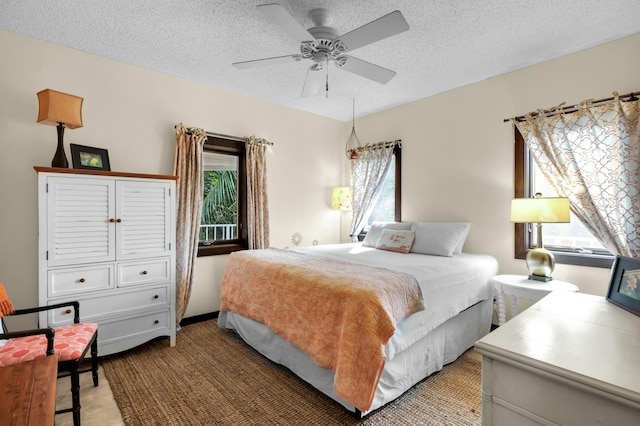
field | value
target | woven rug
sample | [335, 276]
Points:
[211, 377]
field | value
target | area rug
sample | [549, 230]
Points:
[211, 377]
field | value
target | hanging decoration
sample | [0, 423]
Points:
[353, 143]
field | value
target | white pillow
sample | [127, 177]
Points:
[439, 238]
[466, 227]
[374, 232]
[395, 240]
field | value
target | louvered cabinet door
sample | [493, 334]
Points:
[143, 219]
[80, 221]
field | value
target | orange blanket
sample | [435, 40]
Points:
[341, 315]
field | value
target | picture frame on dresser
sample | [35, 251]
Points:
[89, 158]
[624, 284]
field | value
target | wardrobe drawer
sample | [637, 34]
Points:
[94, 308]
[144, 272]
[61, 282]
[131, 327]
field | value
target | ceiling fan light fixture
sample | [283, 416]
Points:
[322, 44]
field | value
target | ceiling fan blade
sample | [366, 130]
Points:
[266, 61]
[313, 82]
[387, 26]
[365, 69]
[282, 18]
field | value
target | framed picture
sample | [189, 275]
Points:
[624, 289]
[90, 158]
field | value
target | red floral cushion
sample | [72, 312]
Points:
[69, 342]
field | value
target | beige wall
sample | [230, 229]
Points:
[457, 152]
[131, 112]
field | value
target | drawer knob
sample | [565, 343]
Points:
[112, 220]
[81, 280]
[156, 322]
[68, 311]
[156, 296]
[118, 220]
[144, 272]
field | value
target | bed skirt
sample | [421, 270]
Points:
[441, 346]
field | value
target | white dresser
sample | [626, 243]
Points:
[107, 240]
[570, 359]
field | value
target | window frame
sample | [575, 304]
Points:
[397, 153]
[218, 145]
[523, 232]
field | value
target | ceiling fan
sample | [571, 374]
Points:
[321, 44]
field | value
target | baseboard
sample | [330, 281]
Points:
[199, 318]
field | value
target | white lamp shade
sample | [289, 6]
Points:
[341, 198]
[540, 210]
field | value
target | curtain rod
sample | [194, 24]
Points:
[233, 138]
[220, 135]
[378, 145]
[574, 108]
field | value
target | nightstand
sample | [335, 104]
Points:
[520, 286]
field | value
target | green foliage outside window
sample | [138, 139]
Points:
[220, 204]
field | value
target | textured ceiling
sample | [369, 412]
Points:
[450, 43]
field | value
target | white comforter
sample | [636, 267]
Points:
[449, 284]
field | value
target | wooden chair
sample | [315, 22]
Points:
[70, 342]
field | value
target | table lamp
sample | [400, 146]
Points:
[539, 210]
[60, 110]
[341, 200]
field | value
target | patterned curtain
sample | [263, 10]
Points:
[257, 205]
[592, 156]
[367, 174]
[188, 168]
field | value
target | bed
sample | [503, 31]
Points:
[447, 307]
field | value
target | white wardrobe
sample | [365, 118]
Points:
[107, 240]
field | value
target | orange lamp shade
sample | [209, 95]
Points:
[58, 107]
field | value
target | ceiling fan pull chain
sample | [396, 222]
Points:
[326, 84]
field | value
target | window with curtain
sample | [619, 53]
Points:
[376, 183]
[589, 153]
[384, 209]
[223, 224]
[571, 243]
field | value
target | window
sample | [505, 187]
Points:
[222, 228]
[387, 207]
[571, 243]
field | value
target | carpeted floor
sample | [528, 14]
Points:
[212, 378]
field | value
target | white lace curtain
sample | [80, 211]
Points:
[257, 203]
[188, 168]
[592, 156]
[367, 175]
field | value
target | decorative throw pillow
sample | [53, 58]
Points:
[395, 240]
[439, 238]
[374, 232]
